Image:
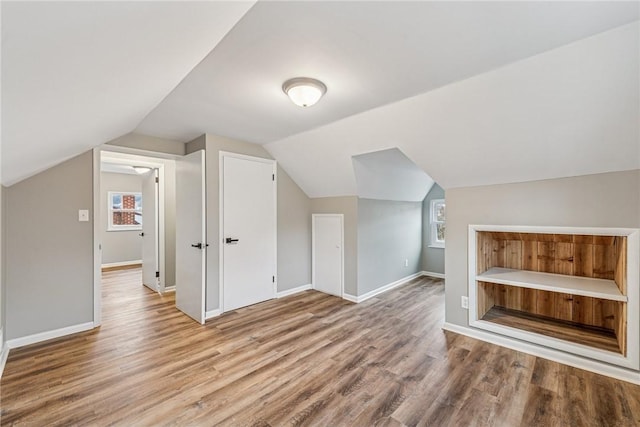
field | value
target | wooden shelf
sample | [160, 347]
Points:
[574, 285]
[600, 338]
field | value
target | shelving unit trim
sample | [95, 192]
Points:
[575, 285]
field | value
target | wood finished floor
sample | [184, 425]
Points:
[308, 359]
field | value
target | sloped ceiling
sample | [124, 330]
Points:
[472, 92]
[390, 175]
[571, 111]
[77, 74]
[368, 54]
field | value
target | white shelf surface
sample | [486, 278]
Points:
[575, 285]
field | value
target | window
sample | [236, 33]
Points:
[437, 221]
[124, 211]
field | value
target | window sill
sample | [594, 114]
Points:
[124, 229]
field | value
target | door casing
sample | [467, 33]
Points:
[139, 158]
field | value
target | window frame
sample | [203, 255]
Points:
[433, 224]
[110, 211]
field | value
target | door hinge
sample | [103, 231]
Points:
[157, 180]
[273, 177]
[157, 274]
[273, 279]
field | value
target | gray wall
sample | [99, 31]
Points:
[348, 206]
[432, 258]
[294, 234]
[49, 269]
[294, 252]
[603, 200]
[118, 246]
[389, 233]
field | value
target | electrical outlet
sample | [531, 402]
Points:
[464, 302]
[406, 263]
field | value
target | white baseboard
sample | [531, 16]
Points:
[548, 353]
[293, 291]
[212, 313]
[385, 288]
[432, 274]
[4, 353]
[121, 264]
[168, 289]
[44, 336]
[350, 297]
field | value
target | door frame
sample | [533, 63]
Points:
[160, 282]
[146, 159]
[221, 156]
[313, 249]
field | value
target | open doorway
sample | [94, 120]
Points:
[134, 201]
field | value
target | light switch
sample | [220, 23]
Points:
[83, 215]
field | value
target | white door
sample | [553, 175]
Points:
[191, 235]
[150, 252]
[248, 190]
[327, 253]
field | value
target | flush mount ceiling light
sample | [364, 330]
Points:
[141, 169]
[304, 91]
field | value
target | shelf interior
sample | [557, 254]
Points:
[575, 285]
[601, 338]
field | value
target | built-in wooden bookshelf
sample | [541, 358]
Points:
[563, 289]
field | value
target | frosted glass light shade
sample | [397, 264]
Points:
[304, 91]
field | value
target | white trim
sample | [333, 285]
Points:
[382, 289]
[432, 274]
[97, 240]
[520, 337]
[48, 335]
[433, 225]
[4, 353]
[313, 249]
[131, 156]
[110, 210]
[212, 313]
[288, 292]
[593, 231]
[3, 358]
[221, 156]
[168, 289]
[547, 353]
[121, 263]
[351, 298]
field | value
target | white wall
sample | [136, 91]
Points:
[121, 245]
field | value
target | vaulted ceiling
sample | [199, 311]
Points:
[471, 92]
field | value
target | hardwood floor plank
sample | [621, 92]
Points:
[307, 359]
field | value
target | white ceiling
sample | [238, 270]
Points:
[571, 111]
[77, 74]
[367, 53]
[448, 83]
[390, 175]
